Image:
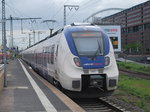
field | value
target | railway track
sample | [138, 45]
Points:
[99, 105]
[135, 74]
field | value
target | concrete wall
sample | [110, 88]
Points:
[1, 78]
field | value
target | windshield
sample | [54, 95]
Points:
[88, 43]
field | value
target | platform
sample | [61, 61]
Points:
[27, 92]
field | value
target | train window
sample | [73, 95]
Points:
[35, 58]
[52, 54]
[44, 56]
[49, 53]
[88, 43]
[57, 51]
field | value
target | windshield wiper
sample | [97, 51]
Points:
[96, 52]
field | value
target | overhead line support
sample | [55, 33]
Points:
[4, 41]
[70, 8]
[11, 26]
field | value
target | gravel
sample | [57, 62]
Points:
[128, 107]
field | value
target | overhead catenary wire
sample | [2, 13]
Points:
[23, 14]
[11, 8]
[18, 13]
[59, 9]
[57, 12]
[87, 5]
[17, 10]
[83, 7]
[33, 21]
[51, 5]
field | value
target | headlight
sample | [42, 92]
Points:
[107, 61]
[77, 61]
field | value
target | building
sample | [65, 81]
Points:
[135, 28]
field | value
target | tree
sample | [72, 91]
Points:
[133, 48]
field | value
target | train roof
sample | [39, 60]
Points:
[82, 24]
[60, 30]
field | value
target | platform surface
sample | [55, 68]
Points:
[22, 94]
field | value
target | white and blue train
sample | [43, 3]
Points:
[78, 59]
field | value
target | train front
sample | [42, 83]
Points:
[89, 68]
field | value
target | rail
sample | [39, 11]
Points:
[99, 105]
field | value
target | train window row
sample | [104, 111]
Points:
[46, 56]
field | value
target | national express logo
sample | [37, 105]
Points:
[111, 30]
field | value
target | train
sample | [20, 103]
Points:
[7, 57]
[78, 59]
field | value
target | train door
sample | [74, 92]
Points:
[55, 57]
[35, 58]
[52, 63]
[52, 54]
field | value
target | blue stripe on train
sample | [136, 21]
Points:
[87, 63]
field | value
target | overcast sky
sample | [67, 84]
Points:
[53, 10]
